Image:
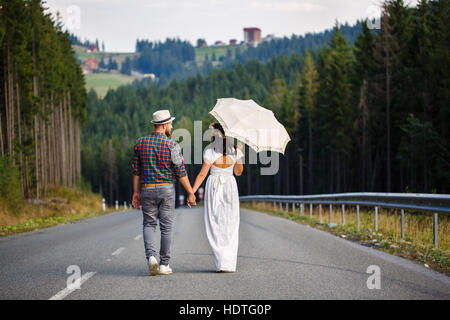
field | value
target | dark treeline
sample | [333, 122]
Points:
[86, 43]
[42, 100]
[162, 58]
[175, 59]
[296, 44]
[372, 116]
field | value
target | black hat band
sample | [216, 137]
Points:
[159, 121]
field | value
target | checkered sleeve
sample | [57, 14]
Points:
[177, 161]
[136, 161]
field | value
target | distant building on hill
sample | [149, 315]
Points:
[93, 48]
[140, 75]
[233, 42]
[90, 65]
[252, 36]
[219, 43]
[201, 43]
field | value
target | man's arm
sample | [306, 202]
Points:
[187, 186]
[136, 171]
[181, 174]
[136, 201]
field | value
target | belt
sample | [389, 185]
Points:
[147, 185]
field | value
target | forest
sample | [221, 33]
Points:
[296, 44]
[372, 115]
[42, 102]
[162, 57]
[365, 112]
[175, 59]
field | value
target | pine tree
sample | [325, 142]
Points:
[363, 83]
[310, 89]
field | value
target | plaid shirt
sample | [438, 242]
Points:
[157, 159]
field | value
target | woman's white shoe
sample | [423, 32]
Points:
[165, 269]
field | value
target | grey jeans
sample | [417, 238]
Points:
[158, 203]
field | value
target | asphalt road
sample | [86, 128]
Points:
[278, 259]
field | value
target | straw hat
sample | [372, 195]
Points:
[162, 117]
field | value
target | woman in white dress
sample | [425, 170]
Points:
[221, 210]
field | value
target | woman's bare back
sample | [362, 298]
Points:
[223, 162]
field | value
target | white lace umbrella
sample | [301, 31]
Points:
[250, 123]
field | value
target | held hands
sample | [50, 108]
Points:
[191, 200]
[136, 201]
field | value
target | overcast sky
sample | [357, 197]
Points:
[120, 22]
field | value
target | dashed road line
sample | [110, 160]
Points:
[118, 251]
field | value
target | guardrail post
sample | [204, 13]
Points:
[104, 204]
[293, 207]
[124, 204]
[343, 214]
[117, 205]
[403, 223]
[302, 209]
[287, 206]
[310, 210]
[376, 218]
[357, 216]
[320, 213]
[331, 212]
[436, 229]
[274, 207]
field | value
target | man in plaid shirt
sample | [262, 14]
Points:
[156, 165]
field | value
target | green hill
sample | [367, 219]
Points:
[102, 82]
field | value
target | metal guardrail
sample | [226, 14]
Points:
[436, 203]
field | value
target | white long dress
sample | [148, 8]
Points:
[221, 212]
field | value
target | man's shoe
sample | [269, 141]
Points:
[163, 269]
[153, 264]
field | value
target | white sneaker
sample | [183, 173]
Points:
[153, 265]
[163, 269]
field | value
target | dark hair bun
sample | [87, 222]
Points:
[219, 127]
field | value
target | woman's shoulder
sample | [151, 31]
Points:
[208, 150]
[210, 154]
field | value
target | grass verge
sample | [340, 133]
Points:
[61, 205]
[416, 245]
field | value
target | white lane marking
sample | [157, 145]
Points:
[118, 251]
[65, 292]
[139, 236]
